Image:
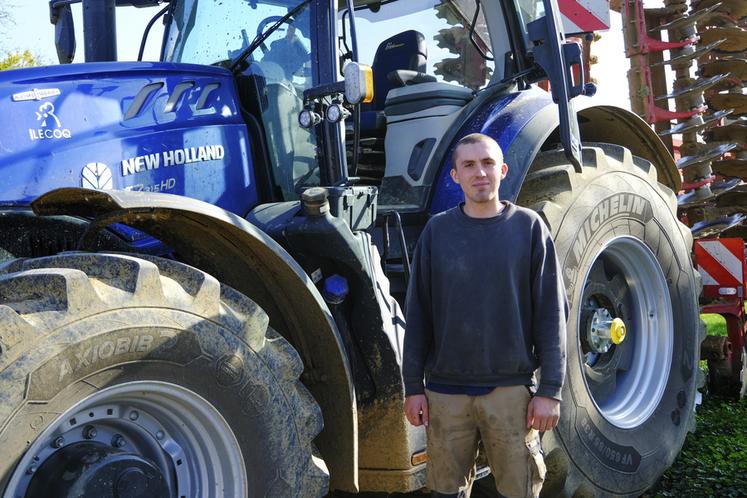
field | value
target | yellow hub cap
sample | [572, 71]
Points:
[617, 331]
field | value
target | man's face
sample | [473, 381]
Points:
[478, 172]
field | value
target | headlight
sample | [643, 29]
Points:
[308, 118]
[336, 113]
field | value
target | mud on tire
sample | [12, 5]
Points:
[185, 369]
[626, 410]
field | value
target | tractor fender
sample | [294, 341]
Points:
[525, 122]
[519, 121]
[598, 124]
[245, 258]
[615, 125]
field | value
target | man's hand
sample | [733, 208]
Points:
[416, 409]
[542, 413]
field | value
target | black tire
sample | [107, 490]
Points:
[84, 326]
[598, 448]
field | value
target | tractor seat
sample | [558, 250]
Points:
[400, 60]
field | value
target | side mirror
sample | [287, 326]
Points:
[64, 33]
[359, 87]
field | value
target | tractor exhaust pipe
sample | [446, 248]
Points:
[99, 30]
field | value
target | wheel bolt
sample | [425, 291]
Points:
[118, 441]
[134, 415]
[31, 469]
[89, 432]
[59, 442]
[160, 435]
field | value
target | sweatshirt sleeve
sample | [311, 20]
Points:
[418, 313]
[549, 313]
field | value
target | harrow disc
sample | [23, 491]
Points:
[734, 67]
[696, 124]
[705, 154]
[722, 101]
[714, 227]
[736, 168]
[698, 86]
[736, 9]
[735, 39]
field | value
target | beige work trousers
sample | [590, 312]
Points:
[457, 422]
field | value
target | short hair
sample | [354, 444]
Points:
[474, 138]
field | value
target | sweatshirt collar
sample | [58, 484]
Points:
[507, 210]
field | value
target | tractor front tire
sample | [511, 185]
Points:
[133, 374]
[628, 399]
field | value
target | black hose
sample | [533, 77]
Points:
[147, 31]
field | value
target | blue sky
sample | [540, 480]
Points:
[33, 31]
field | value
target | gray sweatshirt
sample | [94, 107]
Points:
[486, 305]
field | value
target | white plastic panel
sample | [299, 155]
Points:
[583, 16]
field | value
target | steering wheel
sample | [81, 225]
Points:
[261, 27]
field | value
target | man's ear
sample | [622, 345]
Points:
[454, 175]
[504, 171]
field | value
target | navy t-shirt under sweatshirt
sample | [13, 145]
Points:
[486, 304]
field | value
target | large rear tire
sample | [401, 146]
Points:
[171, 383]
[627, 406]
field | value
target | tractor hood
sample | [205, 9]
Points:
[156, 127]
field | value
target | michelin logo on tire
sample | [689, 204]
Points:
[96, 176]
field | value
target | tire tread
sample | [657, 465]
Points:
[40, 295]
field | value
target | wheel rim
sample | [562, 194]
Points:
[176, 431]
[627, 379]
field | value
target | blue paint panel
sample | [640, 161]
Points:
[503, 120]
[187, 138]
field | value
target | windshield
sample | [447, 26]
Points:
[212, 31]
[217, 31]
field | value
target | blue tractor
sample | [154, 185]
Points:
[203, 260]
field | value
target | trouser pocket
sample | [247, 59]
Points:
[537, 469]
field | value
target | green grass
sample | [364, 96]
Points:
[716, 324]
[713, 462]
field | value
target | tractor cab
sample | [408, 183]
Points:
[437, 66]
[430, 60]
[423, 79]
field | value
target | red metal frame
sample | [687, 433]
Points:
[731, 307]
[733, 312]
[702, 183]
[655, 114]
[646, 45]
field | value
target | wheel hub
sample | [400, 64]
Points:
[625, 287]
[603, 331]
[138, 439]
[92, 468]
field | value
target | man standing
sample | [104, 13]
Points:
[486, 307]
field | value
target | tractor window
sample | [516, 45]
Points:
[216, 31]
[445, 24]
[529, 10]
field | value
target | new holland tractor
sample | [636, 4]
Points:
[203, 260]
